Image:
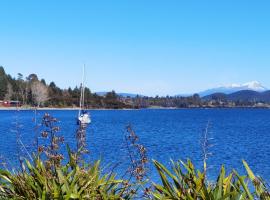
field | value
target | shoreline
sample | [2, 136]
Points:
[149, 108]
[64, 108]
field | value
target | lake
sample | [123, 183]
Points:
[167, 134]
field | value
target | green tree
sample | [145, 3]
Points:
[3, 83]
[22, 88]
[111, 95]
[32, 78]
[43, 81]
[55, 95]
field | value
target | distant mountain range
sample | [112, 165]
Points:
[249, 92]
[243, 95]
[123, 94]
[253, 86]
[252, 92]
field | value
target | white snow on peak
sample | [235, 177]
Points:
[253, 85]
[228, 89]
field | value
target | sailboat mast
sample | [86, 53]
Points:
[79, 114]
[83, 86]
[81, 95]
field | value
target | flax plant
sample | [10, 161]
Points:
[185, 182]
[48, 178]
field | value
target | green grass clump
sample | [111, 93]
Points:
[69, 181]
[185, 182]
[72, 181]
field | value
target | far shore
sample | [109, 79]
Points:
[56, 108]
[149, 108]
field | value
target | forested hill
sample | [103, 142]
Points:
[32, 91]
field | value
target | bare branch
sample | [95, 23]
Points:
[39, 92]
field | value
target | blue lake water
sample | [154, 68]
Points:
[167, 134]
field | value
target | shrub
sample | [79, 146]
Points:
[187, 183]
[69, 181]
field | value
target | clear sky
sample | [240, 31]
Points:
[138, 46]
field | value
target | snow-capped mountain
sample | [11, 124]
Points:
[123, 94]
[228, 89]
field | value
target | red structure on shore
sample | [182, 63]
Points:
[10, 103]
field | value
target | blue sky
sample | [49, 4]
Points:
[143, 46]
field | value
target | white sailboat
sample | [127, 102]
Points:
[83, 116]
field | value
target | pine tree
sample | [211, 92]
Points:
[3, 83]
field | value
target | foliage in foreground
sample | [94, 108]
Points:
[70, 181]
[47, 177]
[185, 182]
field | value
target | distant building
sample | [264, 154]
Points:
[10, 103]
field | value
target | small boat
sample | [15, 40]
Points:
[84, 117]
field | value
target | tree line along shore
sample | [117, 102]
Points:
[31, 91]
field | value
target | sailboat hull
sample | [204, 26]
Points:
[84, 119]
